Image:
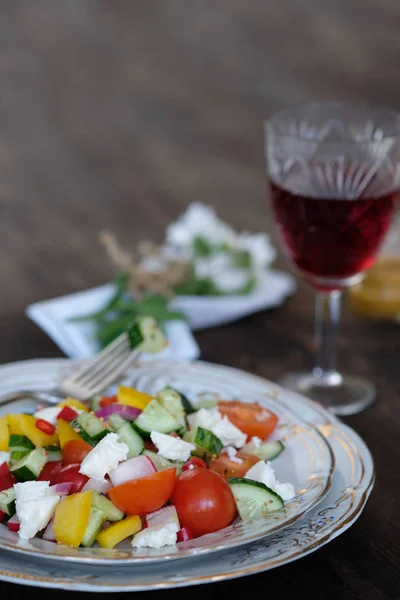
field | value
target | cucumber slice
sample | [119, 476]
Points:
[145, 335]
[29, 467]
[265, 451]
[208, 445]
[171, 400]
[111, 512]
[19, 446]
[94, 402]
[155, 417]
[116, 421]
[131, 438]
[96, 521]
[90, 428]
[254, 499]
[53, 455]
[7, 501]
[161, 463]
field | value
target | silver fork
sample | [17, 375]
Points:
[93, 377]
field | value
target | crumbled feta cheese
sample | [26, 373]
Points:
[156, 536]
[205, 417]
[104, 457]
[231, 452]
[172, 447]
[4, 457]
[255, 441]
[229, 434]
[48, 414]
[51, 413]
[232, 280]
[211, 419]
[264, 473]
[35, 503]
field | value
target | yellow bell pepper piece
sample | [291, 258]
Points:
[66, 432]
[4, 434]
[131, 397]
[74, 403]
[21, 424]
[115, 533]
[71, 518]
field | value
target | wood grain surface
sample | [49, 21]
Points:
[118, 114]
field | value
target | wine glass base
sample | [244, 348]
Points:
[347, 395]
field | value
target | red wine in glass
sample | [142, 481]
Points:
[328, 238]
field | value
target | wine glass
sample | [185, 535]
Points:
[334, 177]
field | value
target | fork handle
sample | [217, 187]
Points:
[49, 398]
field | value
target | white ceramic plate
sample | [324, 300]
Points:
[77, 340]
[352, 483]
[307, 461]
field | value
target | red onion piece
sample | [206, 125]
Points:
[162, 517]
[62, 489]
[49, 532]
[13, 523]
[123, 410]
[184, 535]
[98, 486]
[133, 468]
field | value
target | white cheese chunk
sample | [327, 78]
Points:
[211, 419]
[4, 457]
[156, 536]
[50, 414]
[172, 447]
[104, 457]
[231, 452]
[264, 473]
[35, 503]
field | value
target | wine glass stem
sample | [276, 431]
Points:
[327, 319]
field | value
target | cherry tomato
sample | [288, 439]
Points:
[67, 414]
[50, 471]
[193, 463]
[253, 419]
[2, 515]
[229, 468]
[203, 500]
[184, 534]
[71, 473]
[45, 426]
[145, 495]
[106, 400]
[4, 470]
[74, 451]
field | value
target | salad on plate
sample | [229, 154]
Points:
[154, 470]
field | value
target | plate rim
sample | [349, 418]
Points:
[133, 561]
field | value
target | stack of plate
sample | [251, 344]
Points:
[329, 465]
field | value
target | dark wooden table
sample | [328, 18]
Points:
[118, 114]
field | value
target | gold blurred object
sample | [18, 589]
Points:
[378, 295]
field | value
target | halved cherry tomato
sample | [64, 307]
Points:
[251, 418]
[45, 426]
[71, 473]
[2, 515]
[106, 400]
[229, 468]
[203, 500]
[50, 471]
[67, 414]
[74, 451]
[193, 463]
[145, 495]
